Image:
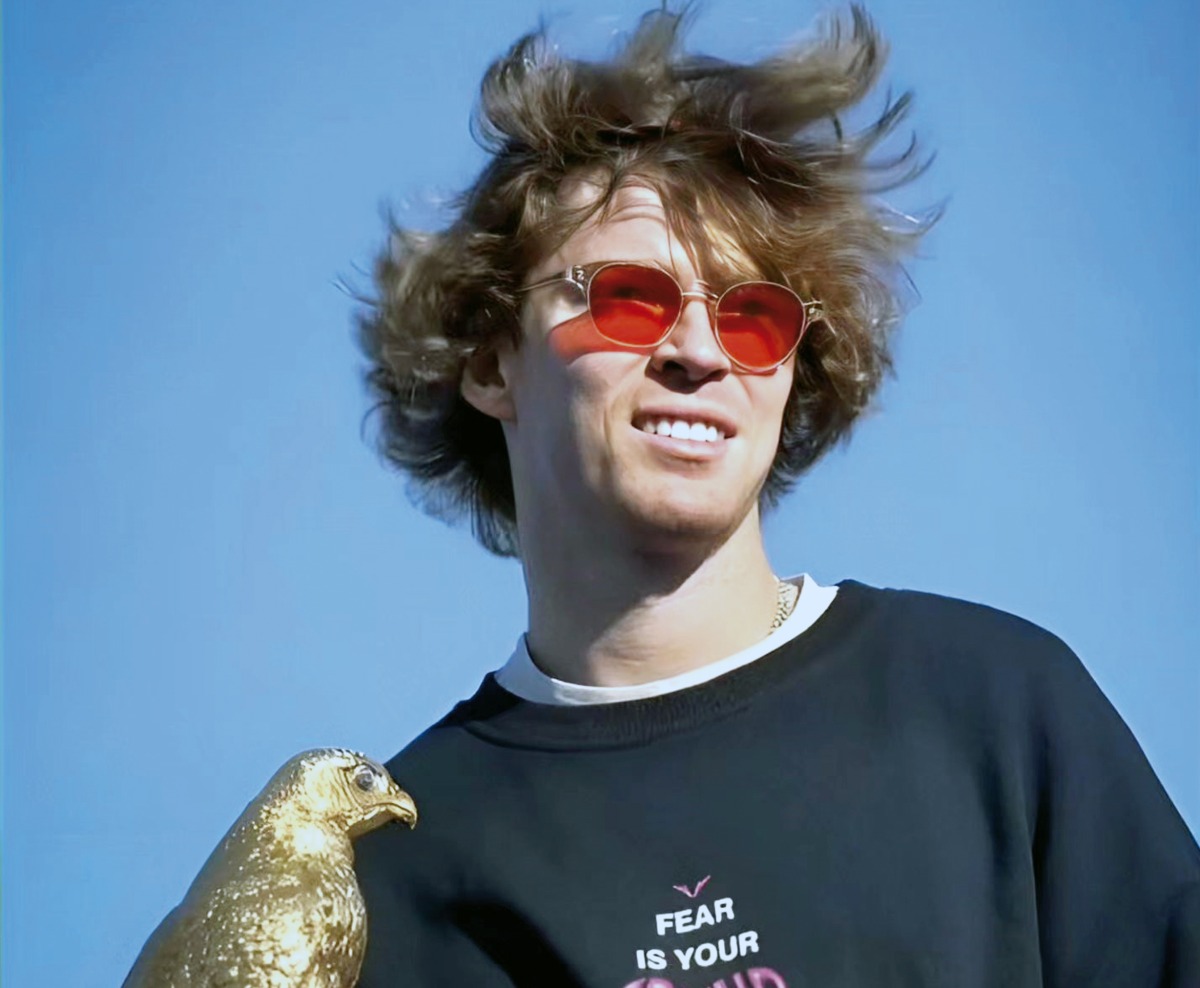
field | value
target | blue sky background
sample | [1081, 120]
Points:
[205, 567]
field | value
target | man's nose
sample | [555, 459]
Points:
[692, 343]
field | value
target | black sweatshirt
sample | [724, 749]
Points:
[914, 791]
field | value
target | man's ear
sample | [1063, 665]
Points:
[486, 385]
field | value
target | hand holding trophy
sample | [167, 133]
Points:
[277, 903]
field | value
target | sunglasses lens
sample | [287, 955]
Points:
[633, 304]
[759, 324]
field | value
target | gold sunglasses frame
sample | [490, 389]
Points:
[581, 276]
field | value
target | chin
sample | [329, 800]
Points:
[674, 518]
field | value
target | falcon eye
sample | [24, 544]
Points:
[366, 778]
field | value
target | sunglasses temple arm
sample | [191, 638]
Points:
[814, 311]
[572, 276]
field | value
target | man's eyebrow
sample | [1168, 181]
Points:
[651, 262]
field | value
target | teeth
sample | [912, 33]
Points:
[697, 432]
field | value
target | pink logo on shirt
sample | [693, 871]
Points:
[756, 977]
[692, 893]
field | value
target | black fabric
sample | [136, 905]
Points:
[915, 791]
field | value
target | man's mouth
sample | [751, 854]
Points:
[696, 430]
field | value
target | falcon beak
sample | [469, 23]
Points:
[403, 808]
[395, 804]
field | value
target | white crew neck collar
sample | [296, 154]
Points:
[521, 677]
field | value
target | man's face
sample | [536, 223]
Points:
[583, 414]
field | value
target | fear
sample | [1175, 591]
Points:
[686, 920]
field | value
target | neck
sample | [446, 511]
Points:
[613, 615]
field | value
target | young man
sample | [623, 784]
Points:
[666, 296]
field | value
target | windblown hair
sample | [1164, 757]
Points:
[756, 151]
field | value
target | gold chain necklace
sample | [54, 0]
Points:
[786, 595]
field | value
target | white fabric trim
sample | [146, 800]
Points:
[522, 678]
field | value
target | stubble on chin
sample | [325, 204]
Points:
[662, 522]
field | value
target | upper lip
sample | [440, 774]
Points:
[689, 413]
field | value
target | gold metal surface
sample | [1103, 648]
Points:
[277, 904]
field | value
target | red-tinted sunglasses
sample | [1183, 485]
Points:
[758, 324]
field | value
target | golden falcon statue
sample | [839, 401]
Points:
[277, 903]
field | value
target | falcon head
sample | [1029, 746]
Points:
[348, 790]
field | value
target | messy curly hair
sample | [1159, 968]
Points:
[757, 151]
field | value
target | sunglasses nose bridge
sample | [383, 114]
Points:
[701, 294]
[698, 344]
